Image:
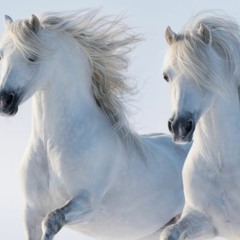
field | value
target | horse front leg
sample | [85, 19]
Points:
[75, 210]
[192, 225]
[33, 230]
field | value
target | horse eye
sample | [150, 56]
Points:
[31, 59]
[165, 76]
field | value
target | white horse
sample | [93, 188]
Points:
[84, 167]
[202, 68]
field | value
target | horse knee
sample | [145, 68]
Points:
[52, 223]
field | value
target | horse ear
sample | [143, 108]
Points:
[170, 36]
[205, 33]
[34, 23]
[8, 20]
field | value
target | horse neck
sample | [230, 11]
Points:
[217, 134]
[68, 99]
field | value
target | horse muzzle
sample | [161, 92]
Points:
[8, 103]
[182, 128]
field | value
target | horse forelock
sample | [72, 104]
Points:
[193, 56]
[24, 39]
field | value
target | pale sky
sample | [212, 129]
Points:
[150, 107]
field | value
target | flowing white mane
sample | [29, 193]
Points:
[106, 42]
[192, 55]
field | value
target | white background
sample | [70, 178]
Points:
[150, 107]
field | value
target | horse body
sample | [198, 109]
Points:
[83, 166]
[204, 80]
[118, 184]
[215, 166]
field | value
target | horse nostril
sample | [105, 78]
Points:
[170, 126]
[9, 98]
[189, 126]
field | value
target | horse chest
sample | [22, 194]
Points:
[66, 175]
[215, 192]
